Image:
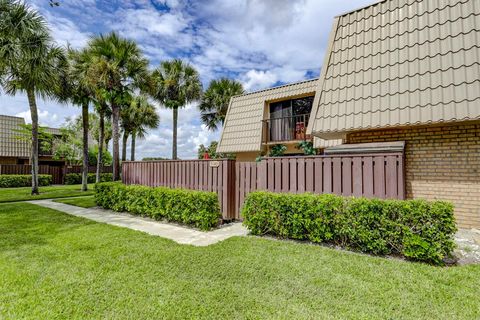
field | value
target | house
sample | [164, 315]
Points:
[258, 120]
[17, 151]
[397, 70]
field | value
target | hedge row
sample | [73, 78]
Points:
[23, 180]
[416, 229]
[197, 208]
[76, 178]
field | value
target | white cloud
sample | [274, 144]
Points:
[45, 118]
[254, 79]
[260, 42]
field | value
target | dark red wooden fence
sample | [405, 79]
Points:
[57, 172]
[369, 175]
[209, 175]
[361, 175]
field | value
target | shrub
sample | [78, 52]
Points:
[76, 178]
[417, 229]
[23, 180]
[197, 208]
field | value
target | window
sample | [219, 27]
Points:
[289, 119]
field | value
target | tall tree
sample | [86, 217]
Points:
[103, 133]
[119, 67]
[174, 84]
[80, 92]
[30, 63]
[136, 120]
[215, 100]
[147, 118]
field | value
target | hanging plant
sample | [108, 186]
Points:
[307, 148]
[277, 150]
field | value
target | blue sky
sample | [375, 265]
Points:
[260, 43]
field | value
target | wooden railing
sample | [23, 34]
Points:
[291, 128]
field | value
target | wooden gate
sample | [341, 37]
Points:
[208, 175]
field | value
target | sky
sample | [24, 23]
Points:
[261, 43]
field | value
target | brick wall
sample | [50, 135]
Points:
[442, 162]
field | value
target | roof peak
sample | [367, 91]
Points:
[276, 87]
[8, 116]
[361, 8]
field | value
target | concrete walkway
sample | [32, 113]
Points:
[173, 232]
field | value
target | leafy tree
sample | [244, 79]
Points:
[44, 138]
[69, 146]
[30, 62]
[211, 150]
[215, 101]
[93, 157]
[154, 159]
[118, 68]
[174, 84]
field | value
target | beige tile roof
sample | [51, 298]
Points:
[400, 62]
[10, 146]
[242, 131]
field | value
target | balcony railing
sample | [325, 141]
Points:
[291, 128]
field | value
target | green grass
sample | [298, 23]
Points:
[53, 265]
[84, 202]
[21, 194]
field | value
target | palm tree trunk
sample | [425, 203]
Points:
[116, 138]
[34, 157]
[132, 148]
[174, 145]
[100, 146]
[124, 145]
[85, 146]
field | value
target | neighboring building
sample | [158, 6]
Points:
[16, 151]
[398, 70]
[258, 120]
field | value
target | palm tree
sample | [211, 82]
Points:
[136, 120]
[81, 93]
[118, 68]
[147, 118]
[174, 84]
[30, 62]
[104, 132]
[215, 100]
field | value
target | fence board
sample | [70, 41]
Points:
[369, 175]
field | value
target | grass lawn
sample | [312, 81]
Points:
[21, 194]
[84, 202]
[53, 265]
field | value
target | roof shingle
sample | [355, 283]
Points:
[401, 62]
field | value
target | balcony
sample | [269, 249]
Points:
[284, 129]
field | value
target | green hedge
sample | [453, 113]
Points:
[416, 229]
[197, 208]
[23, 180]
[76, 178]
